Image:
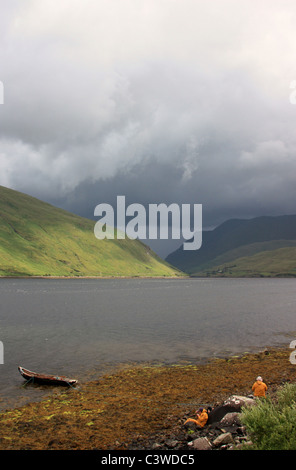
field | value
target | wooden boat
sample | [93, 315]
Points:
[46, 379]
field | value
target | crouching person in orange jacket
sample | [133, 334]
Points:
[259, 388]
[201, 418]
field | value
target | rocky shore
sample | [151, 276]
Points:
[224, 431]
[144, 407]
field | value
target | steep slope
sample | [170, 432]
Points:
[38, 239]
[235, 239]
[279, 262]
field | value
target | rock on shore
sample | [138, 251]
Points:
[223, 430]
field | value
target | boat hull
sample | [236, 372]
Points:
[46, 379]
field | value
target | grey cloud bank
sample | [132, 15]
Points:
[162, 101]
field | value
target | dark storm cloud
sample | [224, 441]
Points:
[161, 101]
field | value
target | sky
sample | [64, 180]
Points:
[163, 101]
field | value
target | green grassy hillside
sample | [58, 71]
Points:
[280, 262]
[38, 239]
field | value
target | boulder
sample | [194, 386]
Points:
[238, 401]
[230, 419]
[231, 405]
[225, 438]
[219, 412]
[201, 443]
[156, 446]
[243, 445]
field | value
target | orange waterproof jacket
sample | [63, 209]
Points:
[201, 419]
[259, 388]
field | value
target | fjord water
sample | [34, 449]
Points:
[83, 327]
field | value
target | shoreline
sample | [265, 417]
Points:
[95, 277]
[149, 277]
[134, 405]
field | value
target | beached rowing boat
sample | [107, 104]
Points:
[46, 379]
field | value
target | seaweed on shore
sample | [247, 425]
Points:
[109, 413]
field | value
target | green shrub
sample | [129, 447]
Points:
[287, 395]
[271, 424]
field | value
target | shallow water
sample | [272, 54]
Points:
[83, 327]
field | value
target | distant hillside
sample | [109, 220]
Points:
[241, 238]
[38, 239]
[279, 262]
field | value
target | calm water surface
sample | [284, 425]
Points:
[82, 327]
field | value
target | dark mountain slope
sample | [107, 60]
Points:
[231, 235]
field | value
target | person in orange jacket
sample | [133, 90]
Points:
[201, 418]
[259, 388]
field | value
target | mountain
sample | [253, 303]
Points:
[243, 247]
[279, 262]
[38, 239]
